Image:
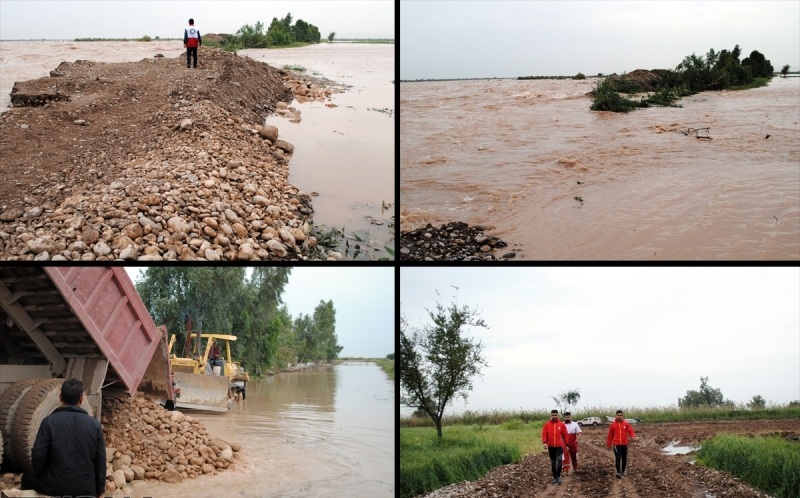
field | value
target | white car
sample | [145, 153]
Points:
[594, 421]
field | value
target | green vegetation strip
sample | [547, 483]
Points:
[387, 366]
[464, 453]
[644, 414]
[771, 464]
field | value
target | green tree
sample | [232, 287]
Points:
[785, 70]
[757, 402]
[706, 396]
[330, 36]
[567, 399]
[437, 363]
[328, 348]
[210, 295]
[252, 36]
[759, 65]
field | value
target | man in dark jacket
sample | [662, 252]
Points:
[69, 454]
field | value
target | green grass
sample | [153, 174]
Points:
[757, 82]
[464, 453]
[771, 464]
[645, 414]
[387, 366]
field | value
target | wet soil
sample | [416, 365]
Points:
[650, 472]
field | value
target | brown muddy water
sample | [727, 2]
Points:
[345, 154]
[517, 154]
[325, 432]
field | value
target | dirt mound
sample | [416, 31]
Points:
[651, 472]
[151, 160]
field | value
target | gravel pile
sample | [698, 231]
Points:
[146, 441]
[455, 241]
[146, 161]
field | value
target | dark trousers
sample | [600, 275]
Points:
[555, 460]
[191, 52]
[621, 456]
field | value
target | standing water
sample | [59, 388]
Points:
[345, 154]
[326, 432]
[562, 182]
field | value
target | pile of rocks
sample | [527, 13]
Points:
[455, 241]
[151, 162]
[145, 441]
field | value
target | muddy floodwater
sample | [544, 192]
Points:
[344, 152]
[561, 182]
[325, 432]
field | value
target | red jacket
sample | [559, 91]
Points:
[554, 433]
[618, 433]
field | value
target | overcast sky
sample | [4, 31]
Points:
[477, 39]
[65, 19]
[622, 336]
[363, 298]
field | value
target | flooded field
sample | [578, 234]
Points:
[325, 432]
[562, 182]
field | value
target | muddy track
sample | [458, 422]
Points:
[650, 471]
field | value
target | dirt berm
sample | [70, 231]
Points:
[151, 160]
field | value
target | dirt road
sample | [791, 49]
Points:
[650, 473]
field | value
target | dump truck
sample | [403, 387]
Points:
[63, 322]
[204, 386]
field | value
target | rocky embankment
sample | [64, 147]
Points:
[455, 241]
[144, 441]
[153, 161]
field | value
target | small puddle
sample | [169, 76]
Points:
[674, 449]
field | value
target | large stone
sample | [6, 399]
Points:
[40, 245]
[269, 132]
[277, 248]
[178, 225]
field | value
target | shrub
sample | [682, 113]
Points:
[768, 463]
[607, 99]
[579, 76]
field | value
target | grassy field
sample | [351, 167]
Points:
[475, 442]
[464, 453]
[771, 464]
[644, 414]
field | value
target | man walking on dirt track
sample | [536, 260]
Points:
[618, 437]
[575, 434]
[191, 40]
[554, 435]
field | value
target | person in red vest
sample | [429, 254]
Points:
[575, 433]
[618, 435]
[191, 40]
[554, 435]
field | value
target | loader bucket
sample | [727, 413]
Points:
[202, 392]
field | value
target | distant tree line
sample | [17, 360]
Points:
[281, 33]
[714, 71]
[225, 300]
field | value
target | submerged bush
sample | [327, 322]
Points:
[606, 98]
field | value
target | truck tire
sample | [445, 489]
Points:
[9, 401]
[40, 401]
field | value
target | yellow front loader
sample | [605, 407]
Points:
[203, 387]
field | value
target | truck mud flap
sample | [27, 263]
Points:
[202, 392]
